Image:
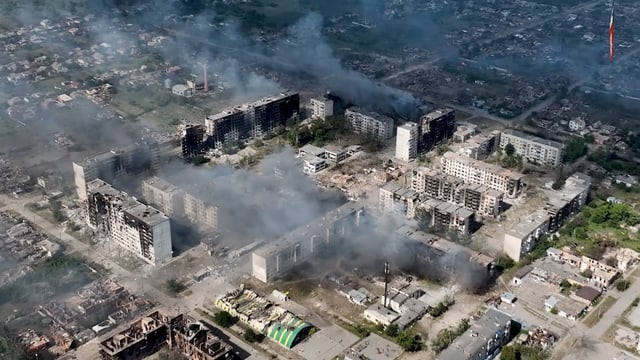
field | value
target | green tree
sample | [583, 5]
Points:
[508, 353]
[224, 319]
[623, 285]
[391, 330]
[509, 150]
[575, 148]
[253, 337]
[409, 342]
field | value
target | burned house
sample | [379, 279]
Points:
[252, 120]
[138, 228]
[195, 341]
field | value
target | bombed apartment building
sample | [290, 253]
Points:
[135, 159]
[138, 228]
[435, 258]
[179, 203]
[302, 244]
[149, 334]
[479, 172]
[481, 199]
[369, 124]
[249, 121]
[568, 201]
[416, 138]
[397, 199]
[435, 128]
[192, 138]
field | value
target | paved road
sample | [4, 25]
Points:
[134, 283]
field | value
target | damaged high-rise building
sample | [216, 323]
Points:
[138, 228]
[180, 203]
[252, 120]
[369, 124]
[135, 159]
[305, 242]
[192, 140]
[433, 128]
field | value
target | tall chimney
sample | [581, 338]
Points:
[386, 282]
[204, 70]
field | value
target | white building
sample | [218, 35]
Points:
[370, 124]
[478, 172]
[138, 228]
[313, 164]
[532, 148]
[321, 108]
[520, 239]
[577, 124]
[407, 141]
[397, 199]
[166, 197]
[182, 90]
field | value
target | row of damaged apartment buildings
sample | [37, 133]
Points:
[453, 195]
[182, 333]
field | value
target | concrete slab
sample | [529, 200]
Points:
[375, 347]
[634, 316]
[326, 344]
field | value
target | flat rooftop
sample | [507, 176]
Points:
[304, 231]
[244, 107]
[161, 184]
[534, 138]
[437, 114]
[494, 169]
[476, 337]
[446, 207]
[128, 203]
[401, 191]
[371, 114]
[525, 226]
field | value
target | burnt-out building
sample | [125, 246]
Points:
[438, 259]
[136, 159]
[435, 128]
[142, 338]
[150, 333]
[251, 120]
[138, 228]
[192, 140]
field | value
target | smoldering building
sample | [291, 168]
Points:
[306, 242]
[435, 258]
[138, 228]
[135, 159]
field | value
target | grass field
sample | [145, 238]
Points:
[597, 313]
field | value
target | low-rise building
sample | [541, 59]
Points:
[182, 90]
[586, 295]
[577, 124]
[313, 165]
[565, 307]
[379, 314]
[483, 340]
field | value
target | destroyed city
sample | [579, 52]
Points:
[319, 179]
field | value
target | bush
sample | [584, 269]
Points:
[224, 319]
[253, 337]
[391, 330]
[623, 285]
[409, 342]
[554, 310]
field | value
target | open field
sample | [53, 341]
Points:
[597, 312]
